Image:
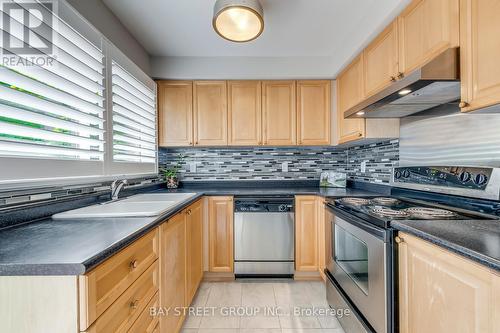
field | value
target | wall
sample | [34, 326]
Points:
[265, 163]
[96, 12]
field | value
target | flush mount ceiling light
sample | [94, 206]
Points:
[238, 20]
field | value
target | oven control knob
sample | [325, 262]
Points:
[397, 174]
[480, 179]
[282, 208]
[464, 177]
[406, 173]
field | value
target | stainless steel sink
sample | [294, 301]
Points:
[141, 205]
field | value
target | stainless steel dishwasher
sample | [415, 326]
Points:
[264, 237]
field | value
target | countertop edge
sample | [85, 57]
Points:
[465, 252]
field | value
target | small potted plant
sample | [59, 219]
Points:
[171, 173]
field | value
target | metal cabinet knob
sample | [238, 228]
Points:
[134, 264]
[463, 104]
[134, 304]
[393, 78]
[189, 212]
[398, 239]
[401, 75]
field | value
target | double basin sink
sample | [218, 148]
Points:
[141, 205]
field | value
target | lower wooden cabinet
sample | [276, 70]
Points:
[440, 291]
[220, 234]
[173, 271]
[181, 264]
[306, 233]
[194, 233]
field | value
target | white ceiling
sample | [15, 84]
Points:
[308, 29]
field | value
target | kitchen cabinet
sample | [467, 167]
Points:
[175, 113]
[306, 233]
[381, 61]
[220, 234]
[313, 112]
[440, 291]
[426, 28]
[245, 113]
[210, 113]
[194, 232]
[279, 113]
[479, 53]
[173, 271]
[350, 91]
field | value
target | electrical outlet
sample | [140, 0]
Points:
[363, 166]
[284, 167]
[192, 167]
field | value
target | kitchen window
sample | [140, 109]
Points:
[58, 123]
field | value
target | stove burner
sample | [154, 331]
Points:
[388, 212]
[385, 201]
[427, 212]
[355, 201]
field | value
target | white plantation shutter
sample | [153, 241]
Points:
[134, 118]
[56, 122]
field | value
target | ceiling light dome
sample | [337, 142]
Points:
[238, 20]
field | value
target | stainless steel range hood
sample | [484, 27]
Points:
[434, 84]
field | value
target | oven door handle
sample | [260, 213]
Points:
[359, 223]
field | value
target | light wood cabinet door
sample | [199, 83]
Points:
[350, 91]
[194, 227]
[480, 53]
[279, 113]
[220, 234]
[175, 113]
[440, 291]
[210, 111]
[381, 61]
[245, 113]
[426, 28]
[313, 112]
[306, 233]
[173, 271]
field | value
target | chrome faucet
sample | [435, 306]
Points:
[116, 187]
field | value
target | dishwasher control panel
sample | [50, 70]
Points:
[264, 205]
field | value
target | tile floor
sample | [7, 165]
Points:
[263, 307]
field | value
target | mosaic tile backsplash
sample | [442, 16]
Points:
[254, 163]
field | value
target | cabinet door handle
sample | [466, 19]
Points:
[401, 75]
[398, 240]
[393, 78]
[134, 304]
[189, 212]
[463, 104]
[133, 264]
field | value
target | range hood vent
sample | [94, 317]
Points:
[434, 84]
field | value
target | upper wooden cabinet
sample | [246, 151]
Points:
[175, 113]
[306, 233]
[440, 291]
[427, 28]
[210, 112]
[480, 53]
[220, 234]
[350, 91]
[279, 113]
[245, 113]
[313, 112]
[381, 61]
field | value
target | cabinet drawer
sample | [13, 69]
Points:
[120, 316]
[147, 323]
[104, 284]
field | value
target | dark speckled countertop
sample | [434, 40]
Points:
[75, 246]
[478, 240]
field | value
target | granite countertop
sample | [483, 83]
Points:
[478, 240]
[75, 246]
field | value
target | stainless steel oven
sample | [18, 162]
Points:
[359, 268]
